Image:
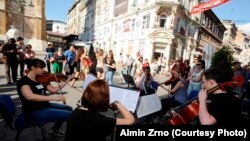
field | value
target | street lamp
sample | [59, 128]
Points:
[22, 5]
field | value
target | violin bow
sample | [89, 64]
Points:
[78, 102]
[60, 90]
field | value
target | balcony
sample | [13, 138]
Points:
[167, 3]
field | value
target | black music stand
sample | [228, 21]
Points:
[129, 80]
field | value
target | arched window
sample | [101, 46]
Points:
[163, 19]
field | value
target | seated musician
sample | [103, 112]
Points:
[144, 81]
[224, 107]
[179, 93]
[173, 80]
[87, 120]
[35, 105]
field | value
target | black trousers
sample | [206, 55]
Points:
[48, 66]
[21, 65]
[11, 65]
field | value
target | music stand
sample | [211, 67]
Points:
[129, 80]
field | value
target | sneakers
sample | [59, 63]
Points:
[56, 133]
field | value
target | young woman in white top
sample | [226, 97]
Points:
[195, 76]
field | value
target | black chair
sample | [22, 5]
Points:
[16, 122]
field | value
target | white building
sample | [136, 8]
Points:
[155, 28]
[56, 26]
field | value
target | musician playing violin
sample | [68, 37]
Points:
[219, 107]
[178, 93]
[37, 106]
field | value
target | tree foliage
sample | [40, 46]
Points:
[222, 60]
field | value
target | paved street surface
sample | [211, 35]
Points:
[72, 96]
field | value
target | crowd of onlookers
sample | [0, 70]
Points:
[16, 54]
[79, 61]
[186, 77]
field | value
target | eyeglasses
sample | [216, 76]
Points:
[198, 64]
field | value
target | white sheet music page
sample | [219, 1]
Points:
[148, 104]
[87, 80]
[128, 98]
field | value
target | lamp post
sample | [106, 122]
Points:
[21, 10]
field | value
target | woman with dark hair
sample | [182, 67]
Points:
[80, 54]
[111, 68]
[224, 107]
[144, 81]
[35, 104]
[195, 76]
[29, 55]
[88, 121]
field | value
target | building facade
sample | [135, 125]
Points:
[56, 26]
[229, 38]
[211, 33]
[56, 31]
[243, 42]
[155, 28]
[28, 17]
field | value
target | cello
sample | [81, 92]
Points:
[188, 113]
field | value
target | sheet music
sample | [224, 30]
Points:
[88, 79]
[148, 104]
[128, 98]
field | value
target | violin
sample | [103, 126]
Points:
[172, 80]
[48, 77]
[188, 113]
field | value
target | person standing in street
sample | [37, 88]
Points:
[10, 51]
[70, 56]
[21, 54]
[50, 50]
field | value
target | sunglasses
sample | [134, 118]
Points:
[198, 64]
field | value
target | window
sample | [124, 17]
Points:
[135, 3]
[116, 27]
[146, 21]
[163, 20]
[106, 16]
[133, 24]
[49, 27]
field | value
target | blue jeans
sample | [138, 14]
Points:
[109, 77]
[56, 112]
[193, 87]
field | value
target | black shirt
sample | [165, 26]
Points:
[83, 124]
[111, 64]
[11, 56]
[225, 108]
[58, 57]
[36, 88]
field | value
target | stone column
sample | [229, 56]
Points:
[4, 19]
